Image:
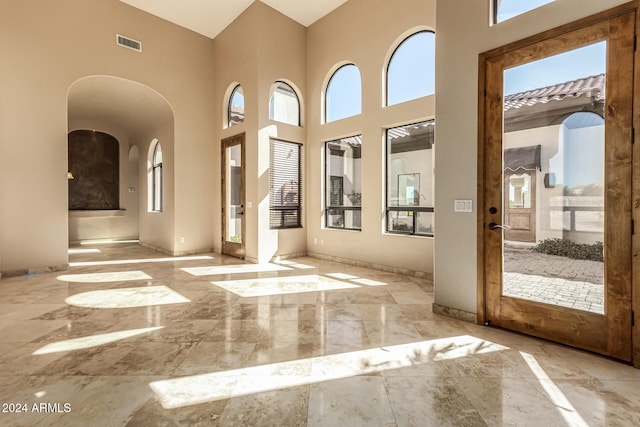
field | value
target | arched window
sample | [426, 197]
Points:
[284, 105]
[411, 69]
[156, 167]
[236, 106]
[344, 94]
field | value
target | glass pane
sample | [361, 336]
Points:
[157, 155]
[411, 71]
[400, 221]
[335, 218]
[520, 191]
[233, 209]
[507, 9]
[410, 165]
[285, 184]
[554, 179]
[424, 223]
[236, 106]
[157, 188]
[344, 93]
[343, 181]
[349, 219]
[284, 106]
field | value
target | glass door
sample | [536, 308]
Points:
[557, 189]
[233, 194]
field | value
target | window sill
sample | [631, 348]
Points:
[352, 230]
[419, 236]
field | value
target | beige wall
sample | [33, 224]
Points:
[195, 74]
[42, 54]
[258, 48]
[364, 32]
[461, 37]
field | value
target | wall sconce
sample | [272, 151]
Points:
[69, 175]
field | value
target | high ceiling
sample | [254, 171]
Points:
[210, 17]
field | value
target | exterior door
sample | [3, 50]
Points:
[570, 90]
[520, 206]
[233, 196]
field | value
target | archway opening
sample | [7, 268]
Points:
[132, 114]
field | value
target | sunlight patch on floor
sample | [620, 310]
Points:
[127, 297]
[282, 285]
[342, 276]
[368, 282]
[233, 269]
[197, 389]
[92, 341]
[139, 261]
[108, 241]
[293, 264]
[356, 279]
[116, 276]
[77, 251]
[560, 401]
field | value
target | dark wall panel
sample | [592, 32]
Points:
[94, 161]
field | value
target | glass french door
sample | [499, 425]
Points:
[557, 191]
[233, 196]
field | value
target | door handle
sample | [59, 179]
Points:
[494, 226]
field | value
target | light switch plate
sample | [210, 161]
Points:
[463, 206]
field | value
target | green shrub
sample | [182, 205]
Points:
[569, 249]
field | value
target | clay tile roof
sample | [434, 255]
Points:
[592, 87]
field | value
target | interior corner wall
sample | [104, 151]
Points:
[258, 48]
[364, 32]
[38, 66]
[461, 37]
[236, 62]
[282, 56]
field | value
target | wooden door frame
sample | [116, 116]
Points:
[482, 216]
[225, 143]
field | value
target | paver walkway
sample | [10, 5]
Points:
[554, 279]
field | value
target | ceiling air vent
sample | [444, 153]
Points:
[128, 43]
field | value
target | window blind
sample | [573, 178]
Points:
[285, 185]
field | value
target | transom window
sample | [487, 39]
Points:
[236, 106]
[410, 182]
[284, 105]
[344, 94]
[507, 9]
[411, 69]
[343, 166]
[285, 185]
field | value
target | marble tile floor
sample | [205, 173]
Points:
[130, 337]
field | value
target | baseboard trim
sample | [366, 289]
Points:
[33, 270]
[288, 256]
[381, 267]
[455, 313]
[178, 253]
